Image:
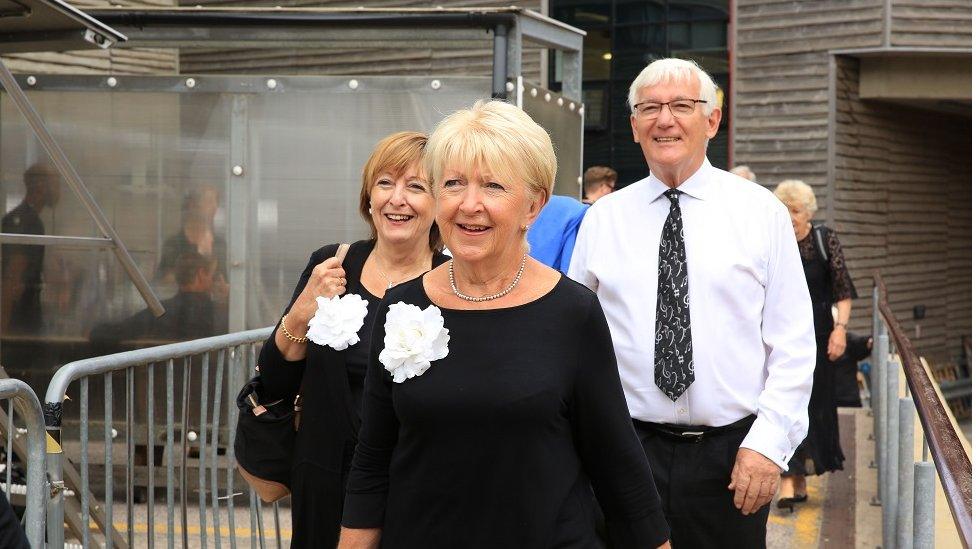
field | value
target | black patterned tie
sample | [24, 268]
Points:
[674, 368]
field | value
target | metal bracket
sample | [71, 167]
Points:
[57, 487]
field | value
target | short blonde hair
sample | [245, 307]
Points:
[794, 191]
[671, 70]
[497, 137]
[394, 154]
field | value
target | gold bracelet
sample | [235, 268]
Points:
[285, 331]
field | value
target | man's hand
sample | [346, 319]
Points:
[755, 479]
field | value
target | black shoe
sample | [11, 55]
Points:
[785, 503]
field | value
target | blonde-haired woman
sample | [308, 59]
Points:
[829, 284]
[494, 409]
[397, 204]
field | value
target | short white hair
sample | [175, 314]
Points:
[744, 172]
[673, 69]
[796, 193]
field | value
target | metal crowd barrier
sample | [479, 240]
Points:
[906, 488]
[24, 408]
[194, 443]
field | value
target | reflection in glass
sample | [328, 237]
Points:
[23, 264]
[583, 13]
[633, 12]
[698, 10]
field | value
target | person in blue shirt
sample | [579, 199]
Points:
[553, 234]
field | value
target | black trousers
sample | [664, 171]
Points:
[692, 479]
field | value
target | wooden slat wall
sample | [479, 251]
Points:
[115, 61]
[902, 190]
[932, 23]
[398, 59]
[900, 194]
[781, 82]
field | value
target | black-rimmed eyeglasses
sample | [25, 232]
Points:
[680, 108]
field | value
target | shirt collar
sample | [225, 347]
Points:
[696, 186]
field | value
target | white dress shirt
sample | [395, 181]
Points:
[751, 318]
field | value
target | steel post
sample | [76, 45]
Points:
[879, 371]
[889, 501]
[923, 510]
[499, 65]
[55, 505]
[906, 470]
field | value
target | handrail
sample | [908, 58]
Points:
[951, 460]
[107, 363]
[29, 408]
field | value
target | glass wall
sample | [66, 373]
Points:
[623, 36]
[220, 192]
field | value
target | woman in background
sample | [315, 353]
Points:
[830, 284]
[397, 204]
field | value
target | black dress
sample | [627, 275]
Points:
[331, 384]
[503, 443]
[829, 282]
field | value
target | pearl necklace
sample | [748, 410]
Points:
[518, 276]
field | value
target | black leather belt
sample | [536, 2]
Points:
[693, 433]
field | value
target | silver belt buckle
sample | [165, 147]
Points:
[696, 436]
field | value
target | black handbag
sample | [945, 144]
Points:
[265, 441]
[847, 394]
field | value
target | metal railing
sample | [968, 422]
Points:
[23, 403]
[198, 434]
[906, 488]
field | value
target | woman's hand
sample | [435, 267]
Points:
[837, 343]
[328, 279]
[359, 538]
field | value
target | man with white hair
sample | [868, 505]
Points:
[710, 315]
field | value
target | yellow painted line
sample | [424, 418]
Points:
[143, 528]
[809, 515]
[806, 518]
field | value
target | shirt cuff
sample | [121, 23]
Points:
[364, 510]
[770, 441]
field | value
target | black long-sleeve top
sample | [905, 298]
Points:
[330, 381]
[498, 444]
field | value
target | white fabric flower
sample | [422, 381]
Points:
[337, 321]
[414, 338]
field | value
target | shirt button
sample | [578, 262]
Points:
[681, 410]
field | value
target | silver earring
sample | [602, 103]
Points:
[370, 210]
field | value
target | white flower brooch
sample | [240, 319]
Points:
[337, 321]
[414, 338]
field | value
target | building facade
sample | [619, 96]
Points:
[868, 101]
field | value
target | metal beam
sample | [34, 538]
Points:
[550, 33]
[194, 35]
[54, 240]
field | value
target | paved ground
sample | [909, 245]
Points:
[838, 512]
